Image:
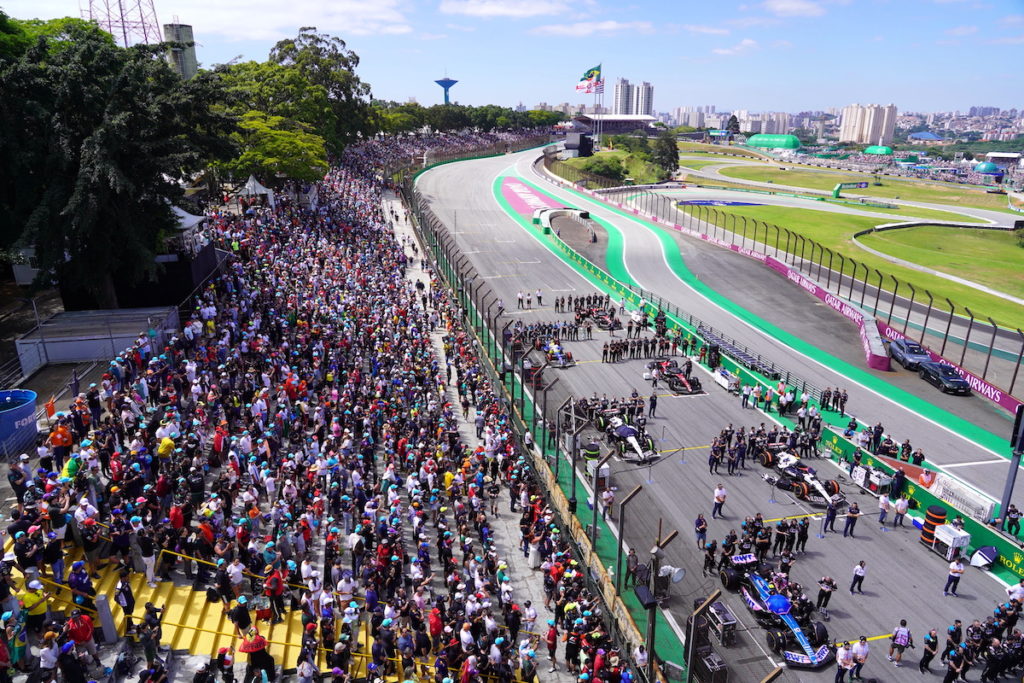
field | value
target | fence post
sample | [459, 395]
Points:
[878, 292]
[864, 288]
[991, 345]
[910, 307]
[853, 278]
[1020, 357]
[776, 237]
[927, 315]
[892, 303]
[949, 324]
[967, 339]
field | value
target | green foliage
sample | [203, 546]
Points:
[392, 117]
[665, 153]
[632, 144]
[13, 39]
[95, 139]
[605, 166]
[277, 90]
[733, 125]
[1018, 234]
[326, 62]
[275, 146]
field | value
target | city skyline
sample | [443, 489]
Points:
[772, 55]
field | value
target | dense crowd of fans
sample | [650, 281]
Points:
[303, 408]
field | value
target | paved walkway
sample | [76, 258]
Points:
[527, 584]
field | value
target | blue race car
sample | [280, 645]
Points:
[803, 643]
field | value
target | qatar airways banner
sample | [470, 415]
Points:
[978, 385]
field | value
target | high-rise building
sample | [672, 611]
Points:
[622, 102]
[775, 122]
[643, 99]
[633, 99]
[694, 119]
[182, 58]
[868, 125]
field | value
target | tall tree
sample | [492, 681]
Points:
[274, 145]
[733, 125]
[277, 90]
[665, 153]
[95, 139]
[327, 62]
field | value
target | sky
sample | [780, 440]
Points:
[759, 55]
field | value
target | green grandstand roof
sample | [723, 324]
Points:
[878, 149]
[773, 141]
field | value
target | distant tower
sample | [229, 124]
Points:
[182, 59]
[447, 84]
[129, 21]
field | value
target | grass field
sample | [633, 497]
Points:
[639, 170]
[705, 160]
[957, 252]
[835, 231]
[717, 149]
[934, 193]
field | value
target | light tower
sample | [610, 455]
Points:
[447, 84]
[129, 21]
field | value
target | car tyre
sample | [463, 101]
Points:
[832, 486]
[776, 640]
[730, 578]
[767, 459]
[818, 633]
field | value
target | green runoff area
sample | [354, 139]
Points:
[640, 171]
[835, 231]
[959, 252]
[690, 146]
[916, 191]
[710, 160]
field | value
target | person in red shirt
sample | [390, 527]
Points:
[79, 628]
[273, 588]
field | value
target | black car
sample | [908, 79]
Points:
[945, 377]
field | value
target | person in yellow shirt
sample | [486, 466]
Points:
[34, 600]
[166, 447]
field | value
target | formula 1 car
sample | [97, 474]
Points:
[606, 320]
[674, 376]
[632, 442]
[603, 418]
[556, 354]
[791, 474]
[803, 643]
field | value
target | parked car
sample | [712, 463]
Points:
[945, 377]
[908, 353]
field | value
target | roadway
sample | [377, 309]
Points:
[511, 258]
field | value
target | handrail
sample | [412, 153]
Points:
[60, 586]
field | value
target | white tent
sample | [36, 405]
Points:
[253, 186]
[186, 220]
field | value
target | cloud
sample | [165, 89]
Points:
[263, 20]
[782, 43]
[793, 8]
[1011, 40]
[744, 45]
[961, 30]
[432, 36]
[707, 30]
[460, 27]
[1012, 19]
[747, 22]
[516, 9]
[589, 28]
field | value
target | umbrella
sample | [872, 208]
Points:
[254, 644]
[984, 556]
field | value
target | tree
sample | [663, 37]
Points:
[275, 146]
[733, 125]
[277, 90]
[605, 166]
[665, 153]
[325, 61]
[95, 141]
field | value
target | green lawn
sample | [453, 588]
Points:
[717, 149]
[642, 172]
[911, 212]
[919, 191]
[958, 251]
[834, 231]
[710, 160]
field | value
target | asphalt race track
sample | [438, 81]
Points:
[904, 580]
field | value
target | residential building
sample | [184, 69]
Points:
[622, 102]
[631, 99]
[872, 124]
